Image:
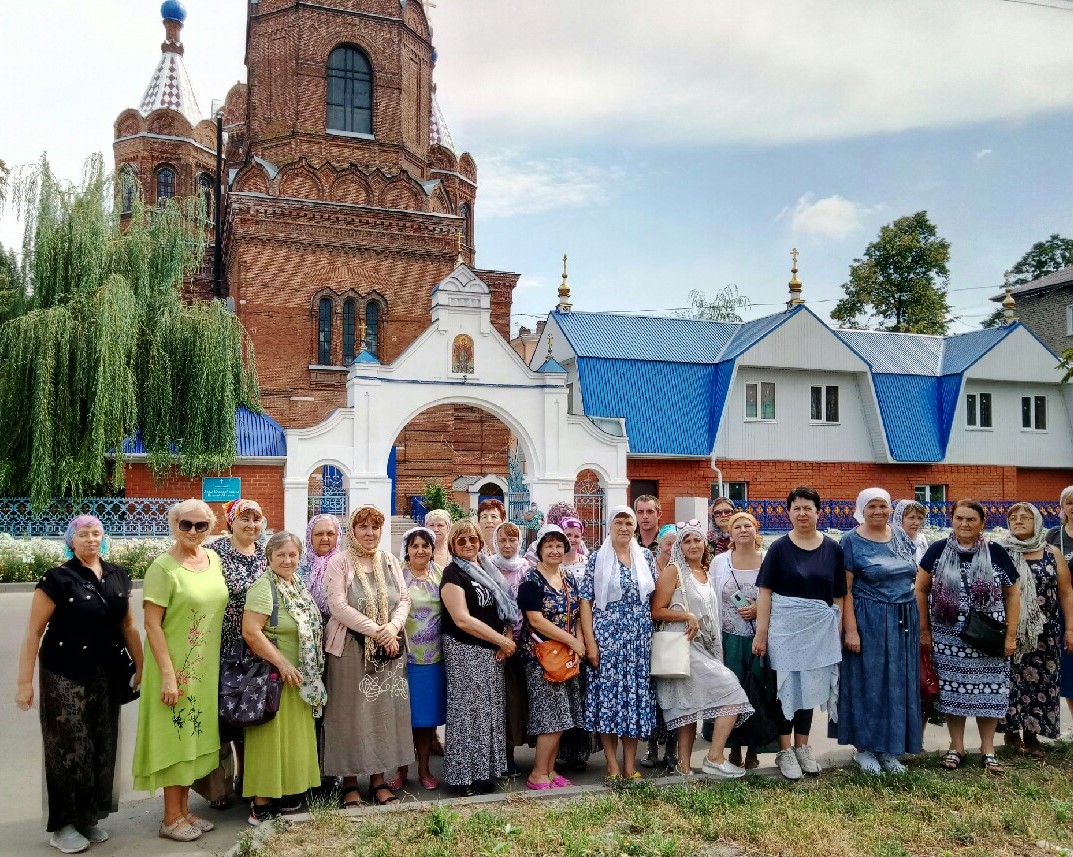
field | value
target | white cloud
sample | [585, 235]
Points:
[830, 217]
[514, 184]
[763, 72]
[983, 153]
[528, 284]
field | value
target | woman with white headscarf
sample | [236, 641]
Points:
[879, 695]
[686, 599]
[617, 626]
[1061, 537]
[909, 516]
[1046, 597]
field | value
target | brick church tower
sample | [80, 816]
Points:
[345, 203]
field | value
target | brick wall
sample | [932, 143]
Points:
[840, 480]
[260, 482]
[1045, 315]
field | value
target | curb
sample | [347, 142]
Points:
[30, 587]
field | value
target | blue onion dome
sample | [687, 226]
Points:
[435, 56]
[173, 10]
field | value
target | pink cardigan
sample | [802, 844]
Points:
[338, 577]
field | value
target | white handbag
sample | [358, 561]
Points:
[670, 652]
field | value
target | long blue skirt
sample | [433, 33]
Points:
[428, 694]
[879, 689]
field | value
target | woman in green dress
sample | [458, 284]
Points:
[184, 598]
[281, 755]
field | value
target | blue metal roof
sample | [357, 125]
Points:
[961, 351]
[900, 353]
[551, 365]
[364, 357]
[642, 337]
[638, 391]
[256, 435]
[751, 332]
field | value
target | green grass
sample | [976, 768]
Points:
[928, 812]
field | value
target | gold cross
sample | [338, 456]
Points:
[793, 254]
[364, 333]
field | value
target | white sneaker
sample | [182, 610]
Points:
[721, 771]
[804, 759]
[789, 767]
[867, 761]
[891, 764]
[69, 840]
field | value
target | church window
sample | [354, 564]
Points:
[128, 189]
[205, 191]
[372, 328]
[324, 332]
[165, 183]
[350, 91]
[462, 355]
[467, 223]
[348, 331]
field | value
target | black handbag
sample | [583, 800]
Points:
[762, 727]
[122, 673]
[985, 633]
[250, 687]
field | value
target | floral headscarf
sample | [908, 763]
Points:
[1030, 622]
[313, 568]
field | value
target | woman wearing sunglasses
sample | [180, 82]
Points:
[478, 636]
[184, 599]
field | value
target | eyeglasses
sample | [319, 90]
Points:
[722, 513]
[196, 526]
[692, 522]
[468, 540]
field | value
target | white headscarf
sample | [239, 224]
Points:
[606, 582]
[866, 497]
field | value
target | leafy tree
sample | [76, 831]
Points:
[103, 344]
[11, 289]
[1042, 258]
[723, 306]
[899, 283]
[4, 173]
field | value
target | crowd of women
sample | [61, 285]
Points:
[552, 648]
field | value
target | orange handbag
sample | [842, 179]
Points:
[559, 662]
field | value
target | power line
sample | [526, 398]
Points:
[1041, 5]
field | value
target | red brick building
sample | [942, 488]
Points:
[344, 202]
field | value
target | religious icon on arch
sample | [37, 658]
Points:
[462, 355]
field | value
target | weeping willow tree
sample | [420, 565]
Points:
[100, 343]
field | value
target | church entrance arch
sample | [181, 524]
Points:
[460, 360]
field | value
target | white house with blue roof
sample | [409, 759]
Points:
[785, 399]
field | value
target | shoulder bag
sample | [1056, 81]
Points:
[250, 687]
[670, 651]
[559, 662]
[985, 633]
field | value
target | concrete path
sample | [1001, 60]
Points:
[134, 827]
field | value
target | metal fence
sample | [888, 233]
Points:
[121, 516]
[838, 514]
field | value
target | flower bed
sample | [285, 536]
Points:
[25, 560]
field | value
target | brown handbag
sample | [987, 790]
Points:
[559, 662]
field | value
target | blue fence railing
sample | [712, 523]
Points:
[121, 516]
[838, 514]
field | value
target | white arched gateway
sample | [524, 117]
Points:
[459, 359]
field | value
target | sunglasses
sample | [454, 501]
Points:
[692, 522]
[468, 540]
[197, 526]
[720, 513]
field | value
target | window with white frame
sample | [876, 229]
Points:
[823, 406]
[760, 401]
[978, 411]
[1069, 319]
[930, 493]
[1034, 413]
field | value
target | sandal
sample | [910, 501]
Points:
[384, 787]
[539, 787]
[202, 824]
[351, 803]
[429, 783]
[398, 781]
[952, 760]
[560, 782]
[179, 830]
[992, 765]
[221, 804]
[613, 781]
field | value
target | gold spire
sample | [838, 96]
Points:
[1009, 305]
[459, 260]
[795, 284]
[564, 292]
[551, 336]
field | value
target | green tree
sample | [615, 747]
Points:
[723, 306]
[11, 290]
[1042, 258]
[103, 344]
[899, 283]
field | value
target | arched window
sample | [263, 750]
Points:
[350, 91]
[128, 189]
[348, 331]
[372, 328]
[208, 196]
[467, 223]
[324, 332]
[165, 183]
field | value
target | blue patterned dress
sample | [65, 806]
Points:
[619, 697]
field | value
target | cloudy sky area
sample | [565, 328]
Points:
[665, 147]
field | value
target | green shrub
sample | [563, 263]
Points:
[24, 560]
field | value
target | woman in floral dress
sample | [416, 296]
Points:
[617, 627]
[1046, 596]
[178, 734]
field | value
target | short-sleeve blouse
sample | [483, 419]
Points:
[480, 603]
[535, 594]
[799, 573]
[425, 619]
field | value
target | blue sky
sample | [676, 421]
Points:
[665, 147]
